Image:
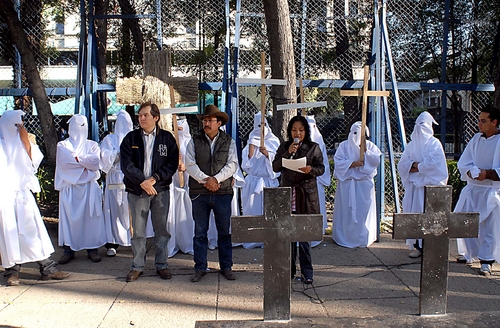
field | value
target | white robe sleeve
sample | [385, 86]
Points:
[466, 161]
[258, 162]
[342, 162]
[342, 169]
[404, 167]
[325, 178]
[90, 160]
[108, 154]
[372, 159]
[433, 169]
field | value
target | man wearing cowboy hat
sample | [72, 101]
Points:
[211, 162]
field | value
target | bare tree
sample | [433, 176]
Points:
[101, 32]
[351, 111]
[20, 39]
[133, 28]
[279, 33]
[497, 86]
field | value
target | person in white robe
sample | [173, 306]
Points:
[116, 213]
[257, 162]
[323, 180]
[23, 236]
[354, 213]
[479, 166]
[81, 219]
[180, 221]
[423, 163]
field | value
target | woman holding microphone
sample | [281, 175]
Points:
[303, 183]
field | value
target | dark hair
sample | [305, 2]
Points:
[155, 111]
[303, 120]
[493, 113]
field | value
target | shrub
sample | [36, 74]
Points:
[454, 181]
[45, 176]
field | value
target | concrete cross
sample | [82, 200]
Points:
[277, 228]
[435, 226]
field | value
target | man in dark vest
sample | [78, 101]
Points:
[211, 160]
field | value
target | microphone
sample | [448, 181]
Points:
[295, 141]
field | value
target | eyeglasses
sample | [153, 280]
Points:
[482, 121]
[210, 121]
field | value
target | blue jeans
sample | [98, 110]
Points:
[202, 206]
[140, 206]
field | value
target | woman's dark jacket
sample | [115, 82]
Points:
[306, 190]
[163, 165]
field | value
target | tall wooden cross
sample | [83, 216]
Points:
[277, 228]
[302, 105]
[364, 93]
[263, 83]
[435, 226]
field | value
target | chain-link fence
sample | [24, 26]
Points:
[332, 40]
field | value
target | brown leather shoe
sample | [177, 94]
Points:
[58, 275]
[133, 275]
[13, 280]
[164, 273]
[197, 275]
[228, 274]
[65, 258]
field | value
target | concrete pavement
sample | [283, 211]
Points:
[376, 287]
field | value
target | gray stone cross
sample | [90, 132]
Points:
[435, 226]
[277, 228]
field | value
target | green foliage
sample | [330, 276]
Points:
[47, 195]
[417, 111]
[454, 181]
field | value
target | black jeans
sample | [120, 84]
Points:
[305, 261]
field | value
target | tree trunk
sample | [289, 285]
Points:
[101, 31]
[496, 62]
[279, 34]
[135, 29]
[497, 86]
[351, 111]
[34, 81]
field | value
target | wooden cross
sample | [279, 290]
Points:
[435, 226]
[277, 228]
[364, 93]
[263, 83]
[302, 105]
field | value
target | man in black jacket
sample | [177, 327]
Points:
[211, 162]
[149, 159]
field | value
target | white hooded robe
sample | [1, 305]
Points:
[23, 236]
[116, 212]
[426, 150]
[354, 213]
[180, 221]
[481, 196]
[323, 180]
[259, 171]
[81, 220]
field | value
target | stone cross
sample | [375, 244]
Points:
[277, 228]
[435, 226]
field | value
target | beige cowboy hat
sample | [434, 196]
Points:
[212, 110]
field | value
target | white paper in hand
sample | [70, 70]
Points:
[294, 164]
